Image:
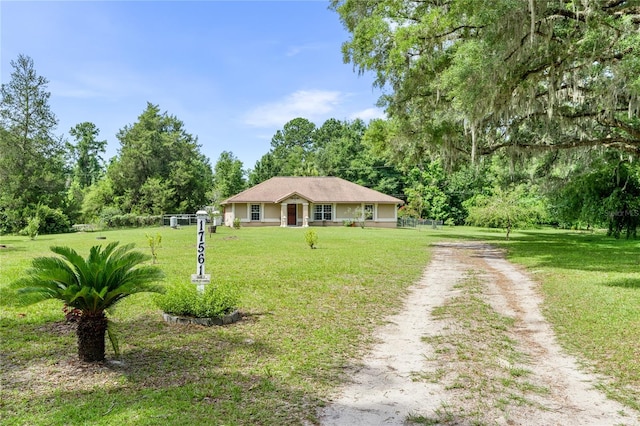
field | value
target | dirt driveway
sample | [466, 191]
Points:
[471, 347]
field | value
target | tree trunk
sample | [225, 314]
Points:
[91, 333]
[474, 144]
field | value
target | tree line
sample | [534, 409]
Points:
[158, 168]
[453, 147]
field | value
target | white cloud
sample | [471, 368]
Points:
[310, 104]
[295, 50]
[368, 114]
[106, 81]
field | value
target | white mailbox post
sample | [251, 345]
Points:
[200, 278]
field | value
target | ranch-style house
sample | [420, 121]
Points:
[310, 201]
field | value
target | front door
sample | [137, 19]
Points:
[292, 217]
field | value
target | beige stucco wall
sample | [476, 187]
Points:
[385, 217]
[241, 211]
[343, 212]
[386, 211]
[271, 212]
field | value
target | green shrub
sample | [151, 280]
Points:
[183, 299]
[311, 237]
[5, 222]
[107, 214]
[236, 223]
[32, 228]
[52, 221]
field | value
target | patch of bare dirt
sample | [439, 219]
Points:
[423, 369]
[70, 375]
[59, 328]
[66, 373]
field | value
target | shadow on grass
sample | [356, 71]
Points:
[167, 374]
[211, 344]
[563, 250]
[624, 283]
[23, 341]
[164, 367]
[150, 348]
[220, 397]
[10, 248]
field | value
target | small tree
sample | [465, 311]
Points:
[155, 242]
[361, 216]
[92, 286]
[32, 228]
[311, 237]
[514, 208]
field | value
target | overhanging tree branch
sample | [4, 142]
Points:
[631, 146]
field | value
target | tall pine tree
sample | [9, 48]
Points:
[32, 168]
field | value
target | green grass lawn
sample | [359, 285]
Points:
[307, 312]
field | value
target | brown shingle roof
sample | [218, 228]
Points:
[314, 189]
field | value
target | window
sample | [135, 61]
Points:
[322, 212]
[255, 211]
[368, 211]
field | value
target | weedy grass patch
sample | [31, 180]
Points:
[306, 313]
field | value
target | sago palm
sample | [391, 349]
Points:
[91, 285]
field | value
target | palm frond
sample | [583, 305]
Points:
[113, 338]
[92, 284]
[48, 278]
[74, 261]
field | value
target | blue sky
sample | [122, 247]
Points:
[233, 71]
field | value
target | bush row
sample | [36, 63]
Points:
[54, 221]
[131, 221]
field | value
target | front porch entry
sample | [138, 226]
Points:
[290, 210]
[292, 215]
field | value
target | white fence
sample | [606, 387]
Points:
[182, 219]
[409, 222]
